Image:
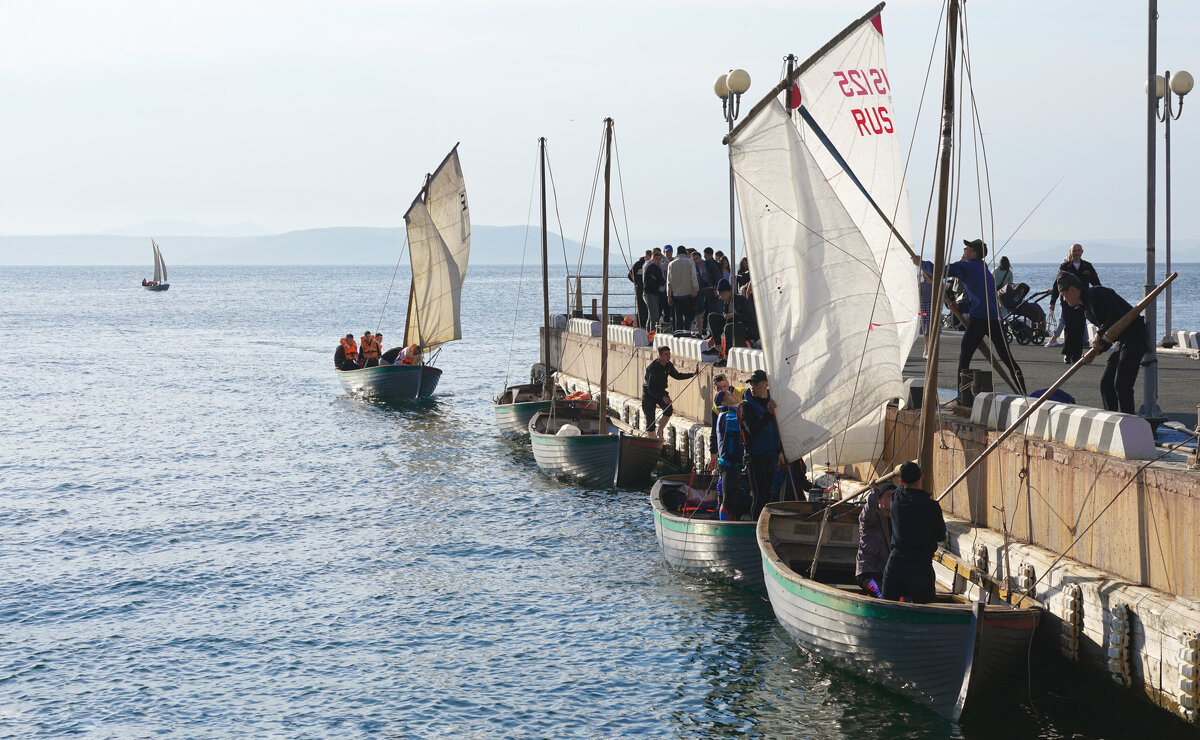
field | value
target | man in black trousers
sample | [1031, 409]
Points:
[1076, 266]
[917, 528]
[1103, 307]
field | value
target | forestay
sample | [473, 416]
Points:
[846, 91]
[830, 339]
[439, 239]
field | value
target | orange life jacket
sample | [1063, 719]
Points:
[370, 348]
[351, 349]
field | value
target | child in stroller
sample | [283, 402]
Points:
[1026, 320]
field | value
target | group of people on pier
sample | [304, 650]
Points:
[367, 352]
[678, 289]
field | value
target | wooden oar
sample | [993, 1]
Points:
[1109, 339]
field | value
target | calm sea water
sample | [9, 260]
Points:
[202, 537]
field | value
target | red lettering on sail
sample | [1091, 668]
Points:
[855, 77]
[877, 80]
[844, 84]
[873, 121]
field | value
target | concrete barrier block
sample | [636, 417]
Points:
[685, 347]
[1120, 435]
[745, 359]
[628, 335]
[558, 321]
[586, 327]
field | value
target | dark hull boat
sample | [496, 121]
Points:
[516, 406]
[159, 282]
[700, 543]
[391, 383]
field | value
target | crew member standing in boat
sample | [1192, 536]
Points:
[917, 528]
[370, 350]
[760, 434]
[721, 385]
[874, 540]
[731, 452]
[983, 315]
[1103, 307]
[654, 391]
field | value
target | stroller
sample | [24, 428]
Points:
[1026, 320]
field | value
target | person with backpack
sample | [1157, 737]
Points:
[760, 435]
[730, 454]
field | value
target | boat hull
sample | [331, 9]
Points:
[513, 418]
[709, 548]
[157, 288]
[944, 655]
[390, 383]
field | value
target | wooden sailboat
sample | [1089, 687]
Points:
[439, 247]
[698, 542]
[159, 282]
[579, 440]
[836, 325]
[518, 403]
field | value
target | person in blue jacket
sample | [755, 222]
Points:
[983, 315]
[730, 451]
[760, 434]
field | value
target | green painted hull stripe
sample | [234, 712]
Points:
[510, 408]
[707, 527]
[867, 608]
[551, 440]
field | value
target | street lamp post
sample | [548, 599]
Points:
[729, 88]
[1181, 84]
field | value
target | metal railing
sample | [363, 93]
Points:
[584, 293]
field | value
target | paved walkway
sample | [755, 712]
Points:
[1178, 376]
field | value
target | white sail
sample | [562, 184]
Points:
[439, 246]
[829, 337]
[162, 263]
[846, 90]
[158, 265]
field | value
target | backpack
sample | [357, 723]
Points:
[730, 449]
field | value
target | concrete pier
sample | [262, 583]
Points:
[1124, 600]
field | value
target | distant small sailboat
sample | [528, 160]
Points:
[439, 247]
[160, 271]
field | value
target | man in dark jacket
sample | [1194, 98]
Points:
[983, 316]
[654, 391]
[874, 540]
[1079, 268]
[917, 528]
[1103, 307]
[760, 433]
[654, 289]
[734, 308]
[635, 274]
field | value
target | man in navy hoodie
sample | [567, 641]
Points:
[983, 316]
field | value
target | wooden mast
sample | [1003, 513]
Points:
[546, 383]
[929, 400]
[608, 127]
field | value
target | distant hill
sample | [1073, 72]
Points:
[165, 228]
[495, 245]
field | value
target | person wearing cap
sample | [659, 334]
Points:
[983, 312]
[760, 434]
[917, 528]
[1072, 318]
[1104, 307]
[735, 308]
[874, 539]
[654, 391]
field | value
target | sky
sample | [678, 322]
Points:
[297, 115]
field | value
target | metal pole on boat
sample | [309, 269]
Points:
[546, 382]
[929, 399]
[608, 130]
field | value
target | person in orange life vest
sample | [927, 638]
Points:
[349, 353]
[370, 350]
[410, 355]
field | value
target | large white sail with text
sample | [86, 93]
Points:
[830, 339]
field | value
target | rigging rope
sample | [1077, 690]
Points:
[379, 324]
[520, 277]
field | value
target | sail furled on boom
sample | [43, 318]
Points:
[439, 247]
[830, 339]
